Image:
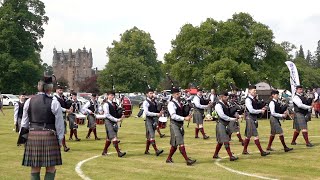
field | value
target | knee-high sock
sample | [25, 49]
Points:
[95, 132]
[196, 132]
[172, 151]
[246, 143]
[64, 142]
[305, 136]
[116, 146]
[158, 130]
[147, 145]
[153, 142]
[106, 146]
[218, 147]
[282, 141]
[89, 132]
[50, 176]
[239, 137]
[202, 131]
[35, 176]
[257, 142]
[227, 146]
[71, 133]
[270, 141]
[75, 132]
[183, 152]
[295, 136]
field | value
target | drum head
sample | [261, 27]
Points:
[163, 119]
[80, 116]
[99, 116]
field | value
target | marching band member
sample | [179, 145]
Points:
[111, 123]
[222, 134]
[89, 109]
[275, 109]
[18, 110]
[154, 99]
[150, 110]
[300, 111]
[75, 108]
[63, 103]
[213, 99]
[198, 115]
[175, 108]
[42, 115]
[251, 121]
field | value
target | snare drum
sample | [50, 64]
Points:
[162, 122]
[80, 118]
[99, 119]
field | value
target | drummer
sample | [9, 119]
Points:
[154, 99]
[75, 108]
[90, 109]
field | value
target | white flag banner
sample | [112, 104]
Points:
[294, 76]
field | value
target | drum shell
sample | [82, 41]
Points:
[127, 106]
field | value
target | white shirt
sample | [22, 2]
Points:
[272, 107]
[196, 102]
[316, 95]
[16, 110]
[297, 101]
[172, 108]
[221, 114]
[145, 106]
[212, 97]
[55, 109]
[85, 109]
[107, 114]
[248, 103]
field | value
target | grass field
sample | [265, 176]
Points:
[301, 163]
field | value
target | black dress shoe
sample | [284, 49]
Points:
[245, 153]
[287, 149]
[159, 152]
[265, 153]
[206, 137]
[146, 152]
[78, 139]
[97, 138]
[293, 143]
[70, 139]
[104, 153]
[66, 149]
[190, 162]
[233, 158]
[169, 161]
[162, 135]
[121, 154]
[309, 145]
[215, 157]
[196, 137]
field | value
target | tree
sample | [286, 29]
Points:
[90, 85]
[130, 59]
[47, 69]
[288, 48]
[21, 28]
[317, 56]
[301, 52]
[309, 58]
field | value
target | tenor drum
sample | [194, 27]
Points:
[99, 119]
[127, 106]
[316, 106]
[162, 122]
[80, 118]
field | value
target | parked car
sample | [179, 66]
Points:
[135, 100]
[9, 99]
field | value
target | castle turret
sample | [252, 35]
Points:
[70, 55]
[55, 57]
[90, 59]
[62, 57]
[77, 58]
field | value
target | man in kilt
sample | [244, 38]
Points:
[18, 110]
[252, 112]
[199, 106]
[177, 116]
[222, 131]
[65, 109]
[111, 124]
[42, 115]
[151, 112]
[89, 109]
[301, 109]
[75, 108]
[276, 115]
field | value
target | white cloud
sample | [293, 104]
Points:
[96, 23]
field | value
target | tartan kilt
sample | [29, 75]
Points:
[91, 121]
[251, 129]
[151, 125]
[42, 150]
[222, 135]
[71, 119]
[299, 122]
[198, 116]
[275, 126]
[176, 134]
[233, 127]
[110, 129]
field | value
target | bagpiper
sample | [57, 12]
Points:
[90, 109]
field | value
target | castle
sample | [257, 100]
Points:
[73, 67]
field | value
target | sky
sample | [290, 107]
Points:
[96, 23]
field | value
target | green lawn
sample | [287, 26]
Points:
[301, 163]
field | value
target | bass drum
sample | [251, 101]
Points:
[127, 106]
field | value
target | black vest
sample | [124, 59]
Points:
[277, 107]
[76, 106]
[254, 105]
[62, 101]
[152, 106]
[300, 110]
[112, 110]
[226, 111]
[20, 111]
[179, 111]
[40, 112]
[93, 106]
